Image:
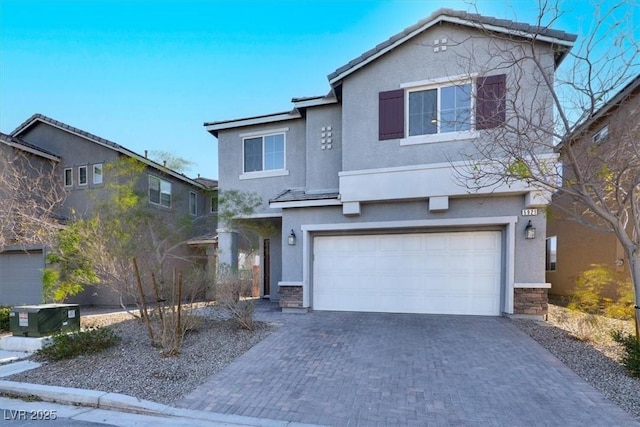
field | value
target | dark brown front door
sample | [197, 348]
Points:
[266, 267]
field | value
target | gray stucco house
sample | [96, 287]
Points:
[362, 186]
[80, 159]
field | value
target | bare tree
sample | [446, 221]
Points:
[32, 193]
[547, 139]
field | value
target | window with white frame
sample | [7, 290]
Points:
[439, 110]
[551, 253]
[601, 135]
[159, 191]
[262, 153]
[68, 177]
[193, 203]
[82, 175]
[97, 173]
[442, 109]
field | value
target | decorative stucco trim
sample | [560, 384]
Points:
[305, 203]
[282, 284]
[263, 174]
[263, 132]
[532, 285]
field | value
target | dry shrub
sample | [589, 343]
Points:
[233, 289]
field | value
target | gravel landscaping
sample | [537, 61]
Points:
[596, 362]
[137, 369]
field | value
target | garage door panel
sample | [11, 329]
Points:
[20, 277]
[455, 273]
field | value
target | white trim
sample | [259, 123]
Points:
[316, 102]
[32, 151]
[508, 221]
[261, 216]
[453, 20]
[463, 135]
[263, 132]
[86, 175]
[283, 284]
[420, 223]
[253, 121]
[262, 136]
[93, 173]
[305, 203]
[263, 174]
[64, 177]
[439, 81]
[195, 203]
[532, 285]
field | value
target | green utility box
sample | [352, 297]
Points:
[44, 319]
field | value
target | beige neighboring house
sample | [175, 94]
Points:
[573, 247]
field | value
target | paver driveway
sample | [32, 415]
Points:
[384, 369]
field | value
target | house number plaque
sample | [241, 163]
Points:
[529, 212]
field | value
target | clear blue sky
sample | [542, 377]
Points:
[148, 74]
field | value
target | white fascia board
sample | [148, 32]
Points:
[32, 151]
[316, 102]
[214, 127]
[305, 203]
[532, 285]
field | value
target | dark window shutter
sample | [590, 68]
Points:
[490, 101]
[391, 114]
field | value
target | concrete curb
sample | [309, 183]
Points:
[130, 404]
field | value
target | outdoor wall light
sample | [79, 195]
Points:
[292, 238]
[529, 231]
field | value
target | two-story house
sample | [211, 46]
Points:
[82, 160]
[576, 240]
[362, 184]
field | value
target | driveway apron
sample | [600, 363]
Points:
[345, 369]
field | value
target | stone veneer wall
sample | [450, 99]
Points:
[291, 296]
[531, 301]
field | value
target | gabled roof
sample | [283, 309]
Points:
[607, 108]
[25, 146]
[39, 118]
[505, 26]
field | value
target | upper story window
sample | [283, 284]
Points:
[439, 110]
[97, 173]
[264, 153]
[82, 175]
[159, 191]
[601, 135]
[442, 109]
[68, 177]
[193, 203]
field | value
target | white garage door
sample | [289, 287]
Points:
[438, 273]
[21, 278]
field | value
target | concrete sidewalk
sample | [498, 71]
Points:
[112, 409]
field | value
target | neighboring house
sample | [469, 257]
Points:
[573, 247]
[362, 189]
[82, 158]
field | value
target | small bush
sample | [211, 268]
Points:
[631, 355]
[588, 294]
[4, 318]
[231, 287]
[68, 346]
